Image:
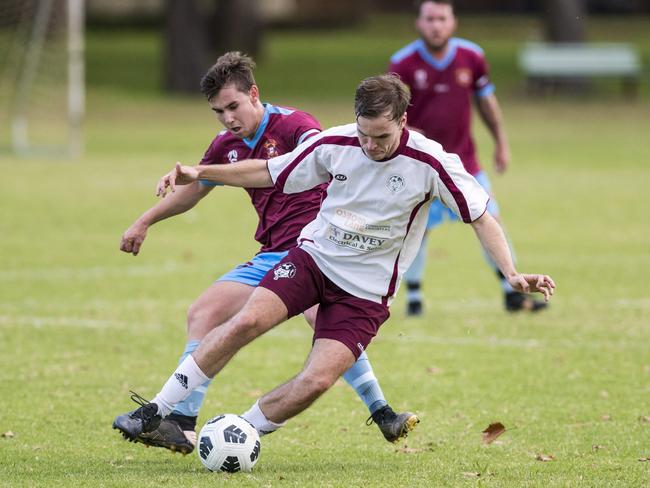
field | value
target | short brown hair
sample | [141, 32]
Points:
[378, 94]
[232, 67]
[418, 4]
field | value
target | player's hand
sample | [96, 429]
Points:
[501, 158]
[180, 175]
[530, 283]
[133, 238]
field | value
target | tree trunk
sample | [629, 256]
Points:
[185, 55]
[236, 26]
[565, 20]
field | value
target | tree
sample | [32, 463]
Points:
[197, 32]
[565, 20]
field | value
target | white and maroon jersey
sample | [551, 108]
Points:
[281, 216]
[371, 222]
[442, 91]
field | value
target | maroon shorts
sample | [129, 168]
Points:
[342, 317]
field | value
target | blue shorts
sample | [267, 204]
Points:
[438, 213]
[252, 272]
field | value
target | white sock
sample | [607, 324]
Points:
[179, 386]
[256, 417]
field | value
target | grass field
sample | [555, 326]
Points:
[82, 323]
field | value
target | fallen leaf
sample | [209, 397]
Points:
[471, 474]
[254, 393]
[604, 394]
[545, 457]
[434, 370]
[645, 419]
[8, 435]
[492, 432]
[128, 458]
[607, 417]
[644, 459]
[597, 447]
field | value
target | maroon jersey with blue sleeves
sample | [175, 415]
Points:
[281, 216]
[442, 91]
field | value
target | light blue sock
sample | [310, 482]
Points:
[191, 405]
[415, 272]
[361, 377]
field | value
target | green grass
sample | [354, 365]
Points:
[82, 323]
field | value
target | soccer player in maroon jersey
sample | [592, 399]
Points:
[445, 74]
[252, 130]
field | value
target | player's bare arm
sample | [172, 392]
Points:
[250, 173]
[494, 242]
[180, 202]
[491, 114]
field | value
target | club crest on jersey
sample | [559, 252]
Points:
[285, 270]
[395, 183]
[464, 77]
[271, 147]
[421, 79]
[233, 156]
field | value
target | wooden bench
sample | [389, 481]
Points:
[553, 64]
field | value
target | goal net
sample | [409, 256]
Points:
[41, 77]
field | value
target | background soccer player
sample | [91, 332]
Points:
[350, 258]
[445, 74]
[252, 130]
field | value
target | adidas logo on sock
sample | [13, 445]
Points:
[182, 379]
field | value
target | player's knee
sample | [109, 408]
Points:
[196, 318]
[315, 383]
[245, 325]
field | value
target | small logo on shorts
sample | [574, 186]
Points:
[340, 177]
[285, 270]
[395, 183]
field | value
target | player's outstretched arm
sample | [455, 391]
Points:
[178, 203]
[250, 173]
[494, 242]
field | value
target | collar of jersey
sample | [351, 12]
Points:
[251, 143]
[438, 64]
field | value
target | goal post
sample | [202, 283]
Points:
[42, 88]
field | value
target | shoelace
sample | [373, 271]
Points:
[382, 412]
[140, 412]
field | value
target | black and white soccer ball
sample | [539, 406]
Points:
[228, 443]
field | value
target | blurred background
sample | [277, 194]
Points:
[307, 50]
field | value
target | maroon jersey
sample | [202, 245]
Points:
[281, 216]
[442, 92]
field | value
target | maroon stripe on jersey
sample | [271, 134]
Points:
[335, 140]
[458, 196]
[393, 279]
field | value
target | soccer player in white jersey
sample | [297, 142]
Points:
[350, 258]
[253, 130]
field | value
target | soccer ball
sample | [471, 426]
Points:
[228, 443]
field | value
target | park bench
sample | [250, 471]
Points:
[550, 65]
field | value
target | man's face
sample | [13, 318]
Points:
[436, 24]
[380, 136]
[238, 111]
